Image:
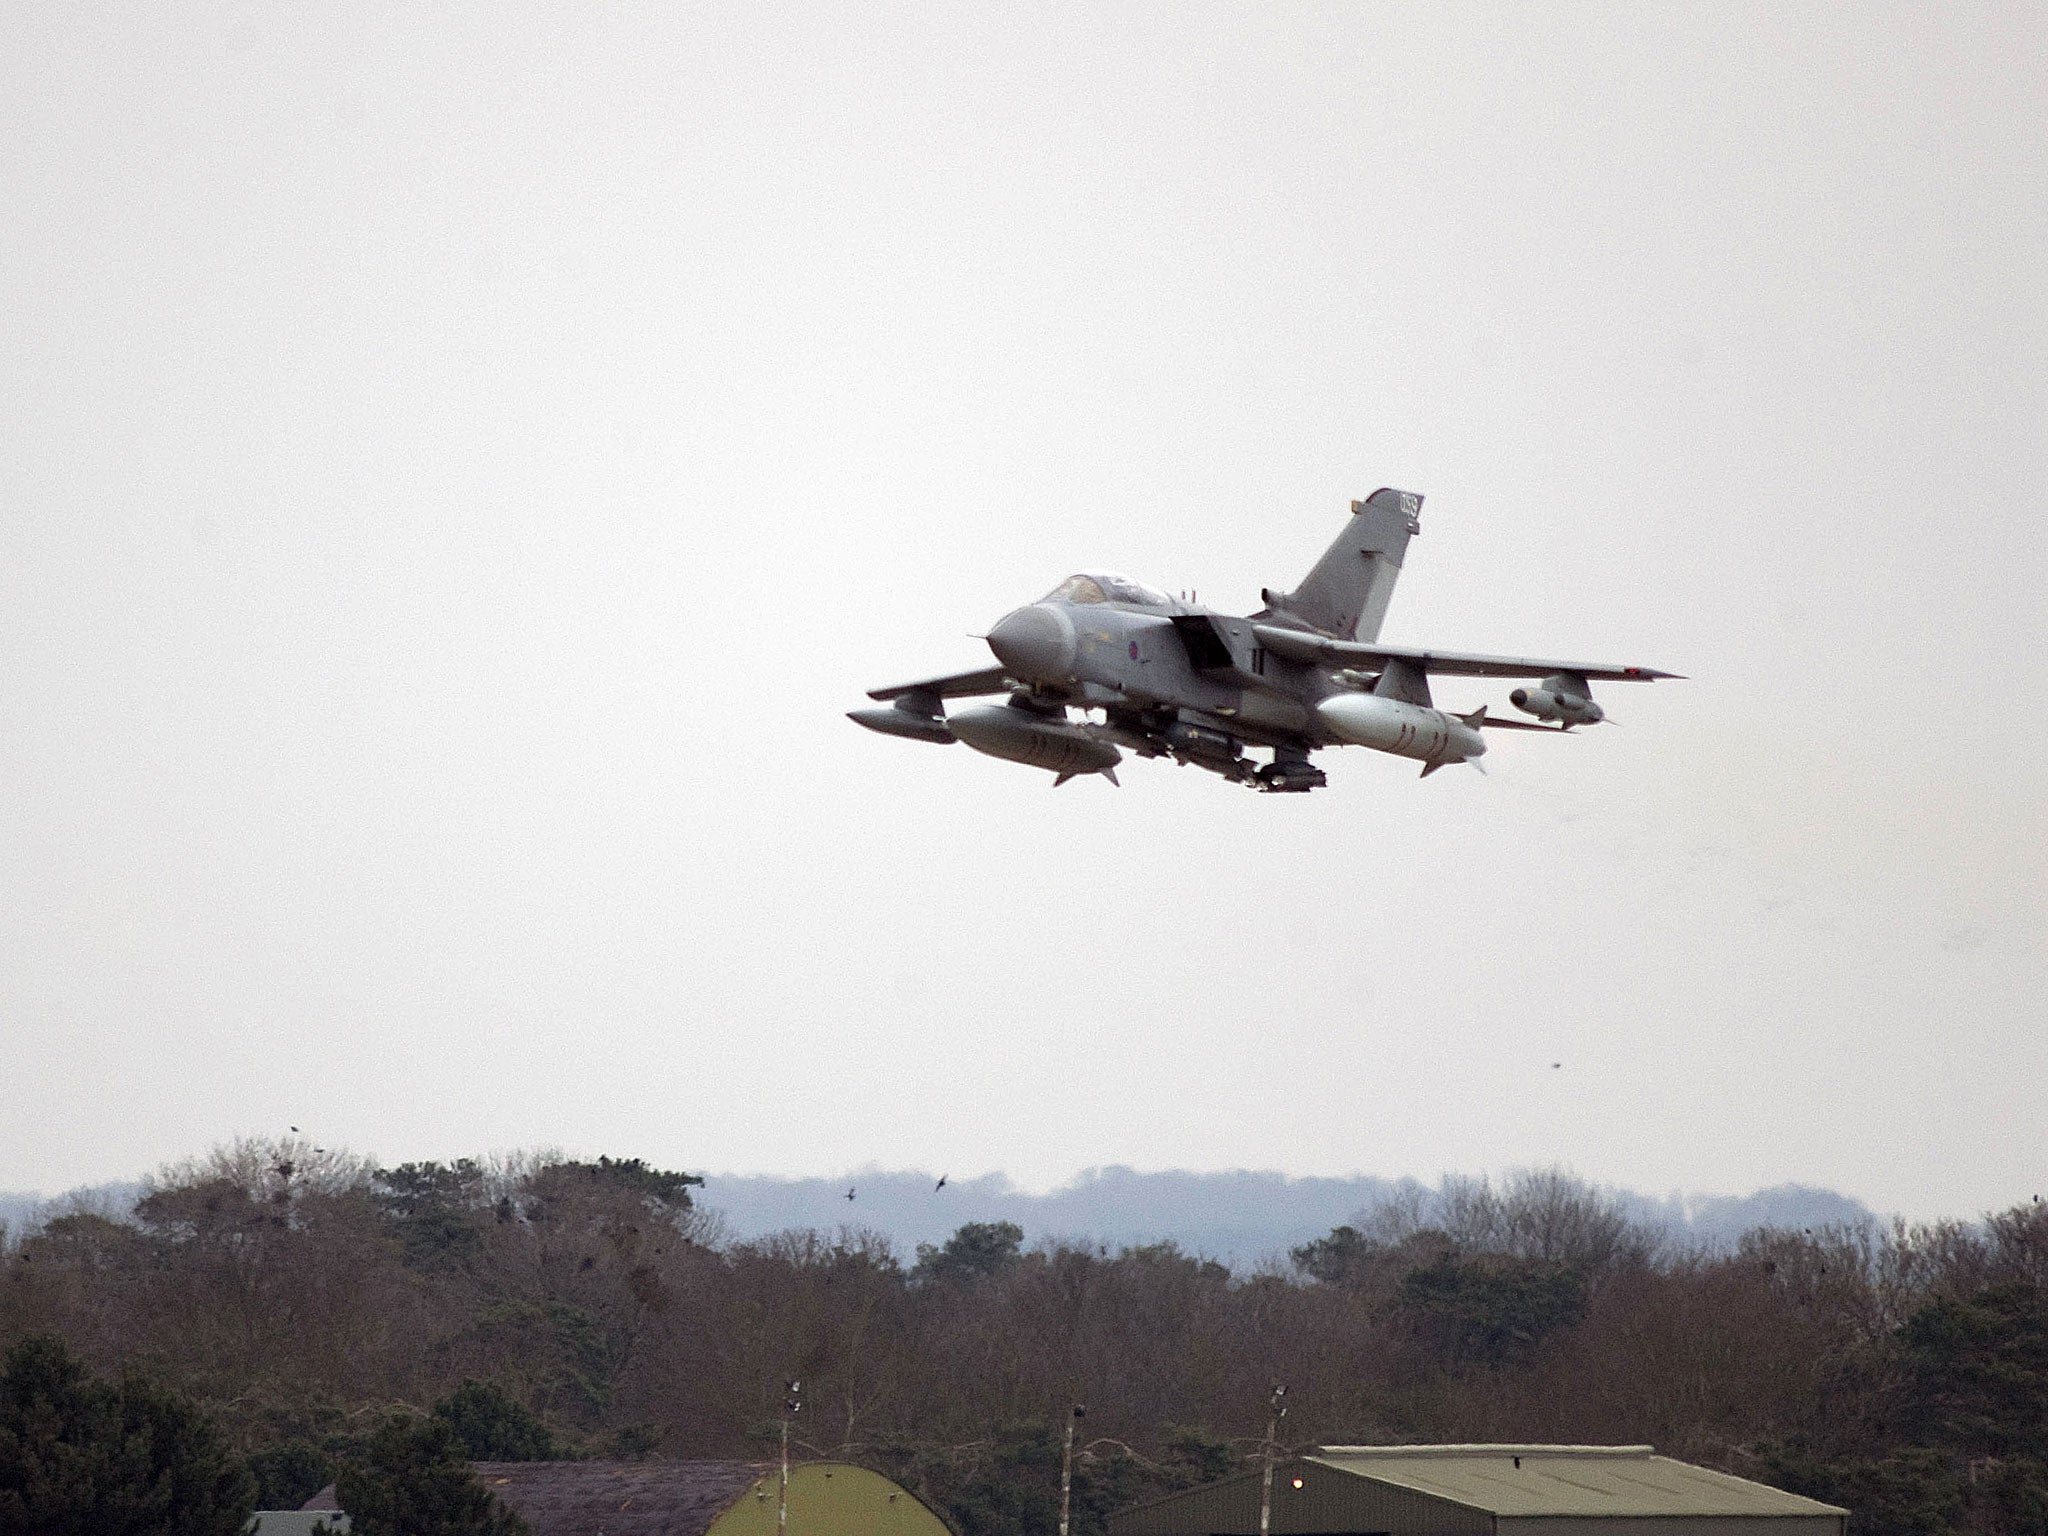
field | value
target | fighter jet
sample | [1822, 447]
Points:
[1171, 678]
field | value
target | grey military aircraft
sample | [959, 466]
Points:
[1174, 679]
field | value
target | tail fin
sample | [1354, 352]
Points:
[1347, 593]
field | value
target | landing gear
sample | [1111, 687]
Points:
[1208, 745]
[1291, 773]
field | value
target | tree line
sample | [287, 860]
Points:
[301, 1302]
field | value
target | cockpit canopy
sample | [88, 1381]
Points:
[1103, 587]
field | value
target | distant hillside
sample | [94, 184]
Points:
[19, 1212]
[1241, 1218]
[16, 1209]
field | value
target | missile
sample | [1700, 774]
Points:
[1430, 736]
[1042, 741]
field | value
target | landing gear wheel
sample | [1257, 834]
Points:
[1291, 776]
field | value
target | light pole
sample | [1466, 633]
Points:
[1275, 1412]
[1067, 1466]
[791, 1406]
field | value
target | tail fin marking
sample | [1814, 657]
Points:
[1347, 593]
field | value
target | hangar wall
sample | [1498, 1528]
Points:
[1672, 1525]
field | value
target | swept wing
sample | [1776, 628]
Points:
[1296, 645]
[957, 685]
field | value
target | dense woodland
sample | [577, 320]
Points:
[300, 1299]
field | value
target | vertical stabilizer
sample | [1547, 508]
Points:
[1347, 593]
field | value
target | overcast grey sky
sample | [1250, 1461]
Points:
[459, 462]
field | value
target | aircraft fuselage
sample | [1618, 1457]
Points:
[1173, 679]
[1186, 659]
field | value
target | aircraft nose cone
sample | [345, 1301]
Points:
[1035, 643]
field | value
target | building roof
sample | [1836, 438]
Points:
[1565, 1480]
[296, 1522]
[616, 1498]
[619, 1498]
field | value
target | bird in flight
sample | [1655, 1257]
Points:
[940, 1185]
[849, 1194]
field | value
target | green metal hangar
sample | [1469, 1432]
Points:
[1486, 1490]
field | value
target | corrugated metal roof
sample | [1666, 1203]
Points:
[620, 1498]
[296, 1522]
[1575, 1480]
[691, 1498]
